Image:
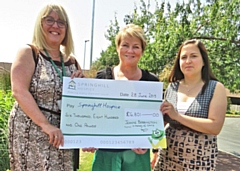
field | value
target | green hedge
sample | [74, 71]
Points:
[6, 102]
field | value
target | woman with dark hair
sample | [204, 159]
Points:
[194, 108]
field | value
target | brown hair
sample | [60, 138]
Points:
[206, 73]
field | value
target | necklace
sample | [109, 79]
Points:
[55, 67]
[190, 89]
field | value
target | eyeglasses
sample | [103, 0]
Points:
[50, 21]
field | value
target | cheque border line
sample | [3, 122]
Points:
[105, 98]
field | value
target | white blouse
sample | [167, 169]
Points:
[182, 107]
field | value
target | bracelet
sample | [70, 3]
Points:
[154, 150]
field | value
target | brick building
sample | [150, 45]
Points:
[5, 67]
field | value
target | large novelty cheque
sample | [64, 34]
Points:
[112, 114]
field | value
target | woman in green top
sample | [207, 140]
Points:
[130, 45]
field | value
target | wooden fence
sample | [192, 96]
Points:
[235, 108]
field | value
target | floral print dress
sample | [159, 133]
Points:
[29, 147]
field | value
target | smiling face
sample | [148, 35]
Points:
[191, 61]
[129, 50]
[54, 35]
[157, 134]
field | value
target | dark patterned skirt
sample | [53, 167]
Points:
[29, 148]
[187, 150]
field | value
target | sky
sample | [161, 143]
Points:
[18, 19]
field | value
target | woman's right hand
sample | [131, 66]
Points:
[55, 135]
[167, 109]
[90, 149]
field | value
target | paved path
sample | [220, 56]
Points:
[227, 162]
[229, 138]
[229, 146]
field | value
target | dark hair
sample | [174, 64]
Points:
[207, 75]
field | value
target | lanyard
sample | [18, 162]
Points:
[55, 67]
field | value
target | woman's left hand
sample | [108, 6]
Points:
[154, 160]
[167, 108]
[139, 150]
[77, 74]
[89, 149]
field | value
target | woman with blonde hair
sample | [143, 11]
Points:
[37, 78]
[130, 45]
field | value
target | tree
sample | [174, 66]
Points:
[215, 22]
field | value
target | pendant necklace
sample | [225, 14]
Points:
[55, 67]
[190, 89]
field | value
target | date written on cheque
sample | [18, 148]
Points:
[132, 94]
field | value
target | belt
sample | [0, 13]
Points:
[177, 126]
[51, 111]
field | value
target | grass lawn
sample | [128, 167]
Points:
[86, 161]
[233, 115]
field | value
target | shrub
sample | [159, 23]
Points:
[6, 102]
[5, 82]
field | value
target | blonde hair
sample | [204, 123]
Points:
[133, 31]
[38, 35]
